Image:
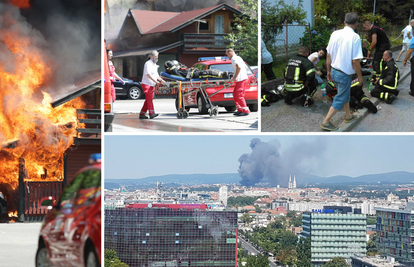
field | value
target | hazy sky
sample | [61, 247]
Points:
[352, 155]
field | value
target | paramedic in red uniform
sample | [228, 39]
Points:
[150, 78]
[240, 77]
[112, 74]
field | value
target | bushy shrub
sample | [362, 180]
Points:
[319, 37]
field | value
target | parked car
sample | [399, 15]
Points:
[131, 89]
[255, 70]
[225, 97]
[3, 204]
[71, 232]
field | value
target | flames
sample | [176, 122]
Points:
[42, 132]
[21, 3]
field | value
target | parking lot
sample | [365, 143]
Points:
[18, 244]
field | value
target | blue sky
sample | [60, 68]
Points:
[353, 155]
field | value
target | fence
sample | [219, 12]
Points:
[35, 191]
[288, 41]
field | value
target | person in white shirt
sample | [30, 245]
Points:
[150, 78]
[407, 35]
[314, 58]
[241, 78]
[344, 53]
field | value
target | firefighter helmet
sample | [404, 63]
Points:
[168, 65]
[331, 89]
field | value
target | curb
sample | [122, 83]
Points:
[362, 113]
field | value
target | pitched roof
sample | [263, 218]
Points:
[156, 21]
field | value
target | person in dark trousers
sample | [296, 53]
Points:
[176, 68]
[358, 98]
[380, 42]
[407, 57]
[300, 78]
[386, 84]
[267, 63]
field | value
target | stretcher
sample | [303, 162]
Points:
[186, 87]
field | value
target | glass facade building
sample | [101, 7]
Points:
[334, 235]
[172, 235]
[395, 235]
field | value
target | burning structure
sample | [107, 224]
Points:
[48, 85]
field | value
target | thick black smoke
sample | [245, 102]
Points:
[69, 32]
[268, 161]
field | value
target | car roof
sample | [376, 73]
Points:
[214, 62]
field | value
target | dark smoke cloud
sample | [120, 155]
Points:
[71, 34]
[268, 161]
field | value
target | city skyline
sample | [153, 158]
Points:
[319, 155]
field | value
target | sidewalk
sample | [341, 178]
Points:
[280, 117]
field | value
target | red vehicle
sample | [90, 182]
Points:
[225, 97]
[71, 232]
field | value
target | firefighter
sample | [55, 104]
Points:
[300, 78]
[358, 98]
[176, 68]
[386, 84]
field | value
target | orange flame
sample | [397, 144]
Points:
[12, 214]
[21, 3]
[25, 116]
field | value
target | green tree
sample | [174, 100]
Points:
[111, 259]
[303, 250]
[246, 218]
[258, 209]
[291, 214]
[372, 246]
[335, 10]
[278, 14]
[244, 39]
[336, 262]
[257, 261]
[288, 239]
[371, 220]
[287, 256]
[277, 224]
[296, 221]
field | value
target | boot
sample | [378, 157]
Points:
[370, 106]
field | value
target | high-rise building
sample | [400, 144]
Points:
[395, 233]
[334, 232]
[223, 194]
[146, 235]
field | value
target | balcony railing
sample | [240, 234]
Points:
[205, 42]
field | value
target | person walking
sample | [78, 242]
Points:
[150, 78]
[407, 36]
[240, 77]
[344, 52]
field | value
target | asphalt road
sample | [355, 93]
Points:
[18, 244]
[396, 117]
[280, 117]
[127, 113]
[250, 249]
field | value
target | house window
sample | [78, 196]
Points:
[204, 26]
[233, 25]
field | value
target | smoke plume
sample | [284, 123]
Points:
[270, 163]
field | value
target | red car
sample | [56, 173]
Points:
[71, 232]
[225, 97]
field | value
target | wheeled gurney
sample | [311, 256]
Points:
[186, 87]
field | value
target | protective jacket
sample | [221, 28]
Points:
[299, 72]
[389, 75]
